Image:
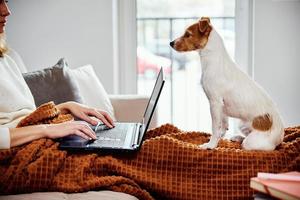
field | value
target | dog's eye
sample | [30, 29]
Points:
[187, 35]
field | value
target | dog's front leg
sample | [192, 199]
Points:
[216, 116]
[224, 124]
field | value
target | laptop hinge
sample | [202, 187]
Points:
[137, 135]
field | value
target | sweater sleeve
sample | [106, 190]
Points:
[4, 138]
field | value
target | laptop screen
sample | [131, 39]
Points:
[153, 100]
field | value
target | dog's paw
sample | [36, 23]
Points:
[237, 138]
[207, 146]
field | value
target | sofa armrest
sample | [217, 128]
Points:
[131, 108]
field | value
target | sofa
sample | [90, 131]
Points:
[126, 108]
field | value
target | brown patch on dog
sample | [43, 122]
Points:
[195, 36]
[262, 122]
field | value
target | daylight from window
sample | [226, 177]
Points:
[183, 101]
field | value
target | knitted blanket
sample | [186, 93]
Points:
[169, 165]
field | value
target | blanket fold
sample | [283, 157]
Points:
[169, 165]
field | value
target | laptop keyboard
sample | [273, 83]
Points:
[114, 137]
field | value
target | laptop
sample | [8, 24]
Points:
[124, 136]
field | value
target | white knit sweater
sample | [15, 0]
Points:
[16, 100]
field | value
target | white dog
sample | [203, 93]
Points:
[231, 93]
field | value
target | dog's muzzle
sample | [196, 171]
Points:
[172, 44]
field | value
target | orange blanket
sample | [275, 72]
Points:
[168, 166]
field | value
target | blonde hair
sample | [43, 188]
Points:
[3, 46]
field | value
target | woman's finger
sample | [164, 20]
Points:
[88, 119]
[79, 133]
[104, 120]
[101, 117]
[107, 117]
[87, 130]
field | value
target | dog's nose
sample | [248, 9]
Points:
[172, 43]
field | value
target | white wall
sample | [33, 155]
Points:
[276, 53]
[81, 31]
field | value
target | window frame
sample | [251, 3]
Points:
[125, 44]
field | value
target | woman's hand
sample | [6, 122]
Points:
[68, 128]
[19, 136]
[29, 133]
[85, 113]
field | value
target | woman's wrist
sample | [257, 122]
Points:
[26, 134]
[44, 130]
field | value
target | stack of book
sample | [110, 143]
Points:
[281, 186]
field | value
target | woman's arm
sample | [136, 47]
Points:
[85, 113]
[19, 136]
[23, 135]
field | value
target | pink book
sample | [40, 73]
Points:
[283, 186]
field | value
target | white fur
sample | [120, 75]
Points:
[232, 93]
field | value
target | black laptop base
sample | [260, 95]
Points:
[83, 148]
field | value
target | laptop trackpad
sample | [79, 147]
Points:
[116, 137]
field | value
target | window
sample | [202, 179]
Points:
[183, 101]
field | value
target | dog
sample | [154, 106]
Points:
[231, 92]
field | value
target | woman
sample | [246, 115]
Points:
[16, 101]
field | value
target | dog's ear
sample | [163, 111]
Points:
[205, 18]
[203, 24]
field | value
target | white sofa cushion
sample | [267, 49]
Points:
[91, 90]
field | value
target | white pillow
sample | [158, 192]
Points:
[91, 90]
